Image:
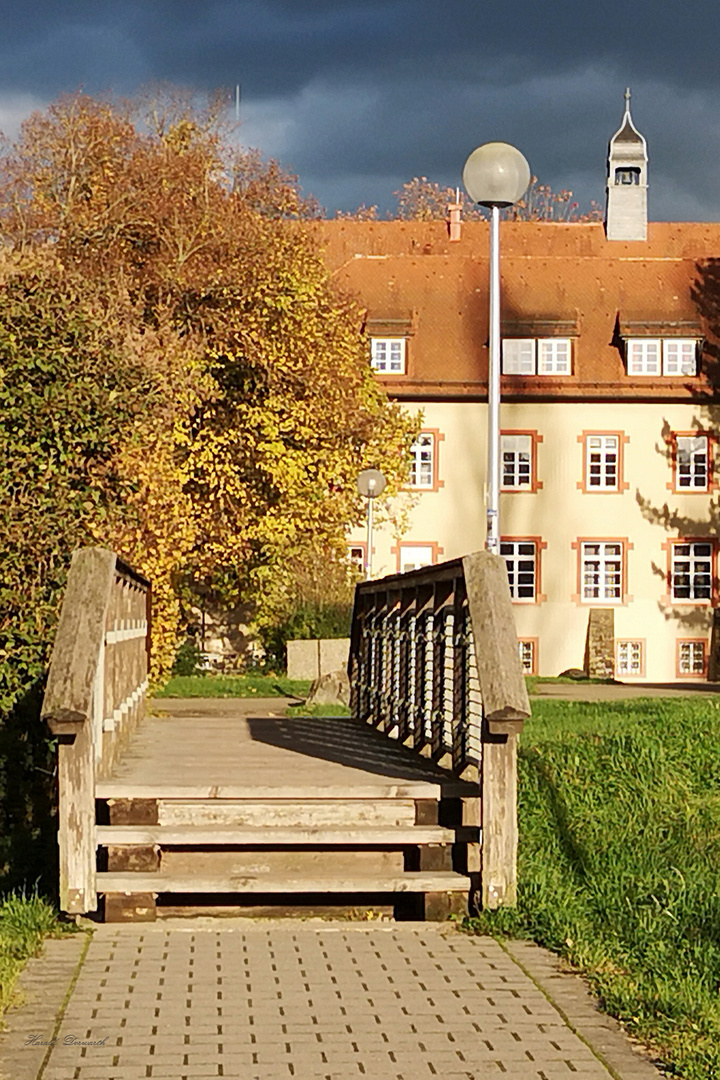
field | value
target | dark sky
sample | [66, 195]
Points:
[357, 96]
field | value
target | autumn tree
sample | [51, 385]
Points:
[421, 199]
[204, 265]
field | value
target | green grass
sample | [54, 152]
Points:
[532, 681]
[619, 863]
[224, 686]
[25, 922]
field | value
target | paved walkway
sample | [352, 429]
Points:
[336, 1000]
[588, 691]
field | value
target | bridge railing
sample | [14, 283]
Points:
[434, 663]
[94, 697]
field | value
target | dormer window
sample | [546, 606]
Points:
[627, 175]
[670, 357]
[387, 355]
[537, 356]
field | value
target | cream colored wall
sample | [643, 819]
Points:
[560, 513]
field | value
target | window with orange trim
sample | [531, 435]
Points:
[414, 555]
[692, 454]
[630, 657]
[424, 462]
[692, 656]
[603, 462]
[522, 561]
[518, 460]
[692, 571]
[527, 650]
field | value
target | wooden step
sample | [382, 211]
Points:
[421, 881]
[290, 836]
[411, 789]
[287, 813]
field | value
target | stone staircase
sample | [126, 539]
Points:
[410, 847]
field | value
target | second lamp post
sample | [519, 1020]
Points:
[496, 175]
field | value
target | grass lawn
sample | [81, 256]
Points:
[619, 863]
[233, 686]
[25, 922]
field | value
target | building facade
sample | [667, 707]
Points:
[609, 417]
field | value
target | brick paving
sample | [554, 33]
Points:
[264, 1001]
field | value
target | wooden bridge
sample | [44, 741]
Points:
[409, 803]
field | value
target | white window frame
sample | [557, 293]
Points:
[630, 658]
[687, 561]
[666, 357]
[644, 356]
[518, 356]
[679, 357]
[527, 654]
[522, 579]
[406, 549]
[387, 355]
[696, 452]
[602, 571]
[537, 356]
[554, 356]
[516, 462]
[422, 462]
[600, 450]
[689, 665]
[357, 565]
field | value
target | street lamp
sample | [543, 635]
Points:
[495, 175]
[370, 484]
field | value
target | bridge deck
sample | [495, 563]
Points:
[240, 748]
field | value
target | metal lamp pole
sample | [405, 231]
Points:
[370, 484]
[495, 175]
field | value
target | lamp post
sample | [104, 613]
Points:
[495, 175]
[370, 484]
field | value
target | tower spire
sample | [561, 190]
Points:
[626, 203]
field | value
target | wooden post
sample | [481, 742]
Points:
[505, 708]
[68, 709]
[498, 875]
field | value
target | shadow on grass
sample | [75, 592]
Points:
[574, 852]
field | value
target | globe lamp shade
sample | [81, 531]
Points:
[496, 174]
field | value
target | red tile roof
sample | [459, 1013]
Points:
[562, 278]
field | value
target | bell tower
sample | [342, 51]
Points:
[626, 201]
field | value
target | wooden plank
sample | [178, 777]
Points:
[440, 906]
[499, 821]
[135, 857]
[76, 822]
[502, 681]
[209, 836]
[126, 789]
[133, 811]
[136, 907]
[414, 881]
[69, 693]
[306, 813]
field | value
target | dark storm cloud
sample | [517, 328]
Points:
[360, 95]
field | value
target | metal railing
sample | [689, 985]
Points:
[434, 663]
[413, 669]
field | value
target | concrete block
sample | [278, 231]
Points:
[303, 659]
[334, 653]
[309, 658]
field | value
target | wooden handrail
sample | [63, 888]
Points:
[95, 694]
